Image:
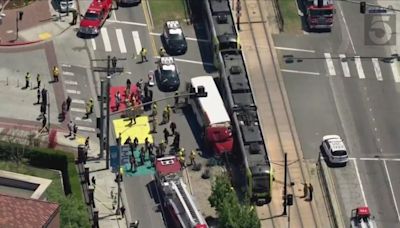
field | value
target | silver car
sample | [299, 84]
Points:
[67, 4]
[335, 149]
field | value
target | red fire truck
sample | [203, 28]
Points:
[176, 200]
[95, 16]
[319, 14]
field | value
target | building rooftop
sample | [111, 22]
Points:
[22, 212]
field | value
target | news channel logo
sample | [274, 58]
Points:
[380, 27]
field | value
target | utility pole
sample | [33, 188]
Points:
[101, 125]
[119, 176]
[285, 188]
[108, 71]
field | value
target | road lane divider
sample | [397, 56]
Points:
[106, 40]
[329, 63]
[360, 182]
[300, 72]
[345, 65]
[391, 191]
[359, 67]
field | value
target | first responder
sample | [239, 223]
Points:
[154, 125]
[89, 107]
[162, 52]
[181, 152]
[182, 161]
[154, 109]
[27, 78]
[192, 157]
[143, 54]
[56, 73]
[169, 111]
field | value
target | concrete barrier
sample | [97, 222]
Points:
[328, 188]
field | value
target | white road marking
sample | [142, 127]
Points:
[121, 42]
[84, 120]
[395, 72]
[300, 72]
[65, 65]
[294, 49]
[78, 110]
[68, 73]
[345, 66]
[360, 183]
[106, 40]
[114, 15]
[187, 38]
[359, 67]
[377, 68]
[70, 82]
[347, 27]
[378, 159]
[127, 23]
[192, 61]
[82, 128]
[78, 101]
[329, 62]
[93, 44]
[136, 41]
[391, 190]
[72, 91]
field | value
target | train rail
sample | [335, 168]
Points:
[275, 118]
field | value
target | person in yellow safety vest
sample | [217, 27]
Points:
[162, 52]
[154, 109]
[143, 54]
[89, 107]
[192, 157]
[182, 161]
[169, 110]
[27, 78]
[56, 73]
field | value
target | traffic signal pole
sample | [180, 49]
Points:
[101, 119]
[108, 114]
[285, 188]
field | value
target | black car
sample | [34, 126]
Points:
[168, 75]
[174, 38]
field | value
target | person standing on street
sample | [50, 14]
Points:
[311, 191]
[38, 80]
[117, 100]
[74, 17]
[162, 52]
[94, 181]
[38, 96]
[56, 73]
[172, 126]
[123, 211]
[193, 157]
[70, 127]
[146, 144]
[27, 78]
[154, 125]
[44, 124]
[75, 128]
[89, 107]
[305, 190]
[87, 143]
[143, 54]
[166, 134]
[133, 163]
[154, 109]
[176, 100]
[135, 142]
[69, 100]
[142, 156]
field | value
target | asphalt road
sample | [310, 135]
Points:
[354, 99]
[123, 35]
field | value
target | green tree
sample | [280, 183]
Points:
[232, 214]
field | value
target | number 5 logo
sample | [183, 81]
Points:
[380, 30]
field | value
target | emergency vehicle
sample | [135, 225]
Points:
[319, 14]
[212, 116]
[95, 16]
[175, 198]
[335, 150]
[174, 39]
[168, 75]
[361, 218]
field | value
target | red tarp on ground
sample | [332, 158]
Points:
[121, 89]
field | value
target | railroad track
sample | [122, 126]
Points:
[275, 119]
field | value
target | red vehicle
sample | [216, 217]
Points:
[212, 116]
[175, 198]
[319, 14]
[95, 16]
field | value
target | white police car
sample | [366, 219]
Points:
[174, 39]
[335, 149]
[168, 75]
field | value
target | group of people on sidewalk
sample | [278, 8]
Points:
[308, 190]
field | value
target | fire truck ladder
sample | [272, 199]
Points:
[187, 203]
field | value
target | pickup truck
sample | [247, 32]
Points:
[95, 16]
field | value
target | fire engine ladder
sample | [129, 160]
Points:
[187, 203]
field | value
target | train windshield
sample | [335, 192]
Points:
[261, 183]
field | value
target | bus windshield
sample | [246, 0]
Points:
[261, 184]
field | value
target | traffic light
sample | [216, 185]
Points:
[114, 62]
[363, 7]
[201, 92]
[289, 200]
[20, 14]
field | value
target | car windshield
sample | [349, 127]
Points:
[321, 12]
[168, 74]
[339, 153]
[176, 37]
[261, 183]
[91, 16]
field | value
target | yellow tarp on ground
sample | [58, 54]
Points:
[141, 129]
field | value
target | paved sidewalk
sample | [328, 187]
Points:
[40, 22]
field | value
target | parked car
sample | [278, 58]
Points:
[335, 150]
[95, 16]
[67, 5]
[174, 38]
[168, 75]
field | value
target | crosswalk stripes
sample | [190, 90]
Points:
[136, 41]
[329, 62]
[106, 39]
[395, 71]
[377, 69]
[121, 42]
[345, 65]
[359, 67]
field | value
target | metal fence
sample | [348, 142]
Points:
[278, 14]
